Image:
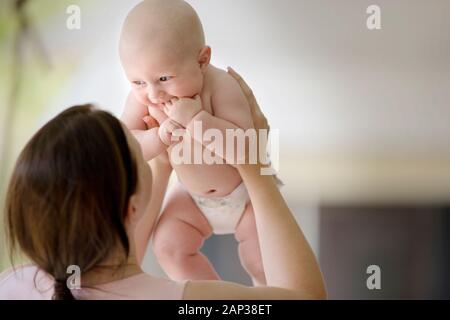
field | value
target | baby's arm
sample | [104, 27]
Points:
[231, 111]
[149, 139]
[230, 105]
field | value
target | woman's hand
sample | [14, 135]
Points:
[155, 118]
[259, 120]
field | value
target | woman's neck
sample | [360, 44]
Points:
[112, 269]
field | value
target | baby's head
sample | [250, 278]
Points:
[162, 50]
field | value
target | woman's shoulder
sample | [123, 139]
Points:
[28, 282]
[25, 282]
[138, 287]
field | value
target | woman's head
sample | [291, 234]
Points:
[77, 188]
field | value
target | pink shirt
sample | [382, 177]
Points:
[28, 283]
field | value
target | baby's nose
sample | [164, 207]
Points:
[155, 95]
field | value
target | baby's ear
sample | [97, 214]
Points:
[204, 57]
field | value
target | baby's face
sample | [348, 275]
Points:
[158, 75]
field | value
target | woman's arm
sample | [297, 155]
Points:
[292, 271]
[161, 170]
[289, 264]
[287, 257]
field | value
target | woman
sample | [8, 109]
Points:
[81, 191]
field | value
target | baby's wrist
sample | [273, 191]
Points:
[197, 117]
[187, 120]
[161, 133]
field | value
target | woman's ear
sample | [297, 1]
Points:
[132, 214]
[204, 57]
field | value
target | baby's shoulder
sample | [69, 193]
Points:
[220, 82]
[217, 77]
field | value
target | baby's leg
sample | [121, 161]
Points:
[178, 237]
[249, 251]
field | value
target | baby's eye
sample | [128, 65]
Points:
[139, 83]
[165, 78]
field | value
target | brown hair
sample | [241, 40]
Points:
[68, 196]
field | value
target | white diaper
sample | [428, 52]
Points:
[224, 213]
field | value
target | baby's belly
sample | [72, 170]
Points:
[215, 180]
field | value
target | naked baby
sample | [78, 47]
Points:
[163, 53]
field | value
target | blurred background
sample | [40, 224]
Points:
[363, 118]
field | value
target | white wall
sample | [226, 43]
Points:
[319, 73]
[344, 97]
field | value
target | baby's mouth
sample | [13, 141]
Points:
[157, 105]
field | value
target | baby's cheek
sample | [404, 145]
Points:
[189, 88]
[197, 84]
[141, 96]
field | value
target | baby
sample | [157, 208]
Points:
[163, 53]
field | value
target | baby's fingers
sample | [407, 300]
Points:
[150, 122]
[166, 108]
[173, 125]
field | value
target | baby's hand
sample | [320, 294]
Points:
[166, 130]
[155, 118]
[182, 110]
[150, 122]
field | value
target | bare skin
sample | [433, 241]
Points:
[173, 83]
[290, 267]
